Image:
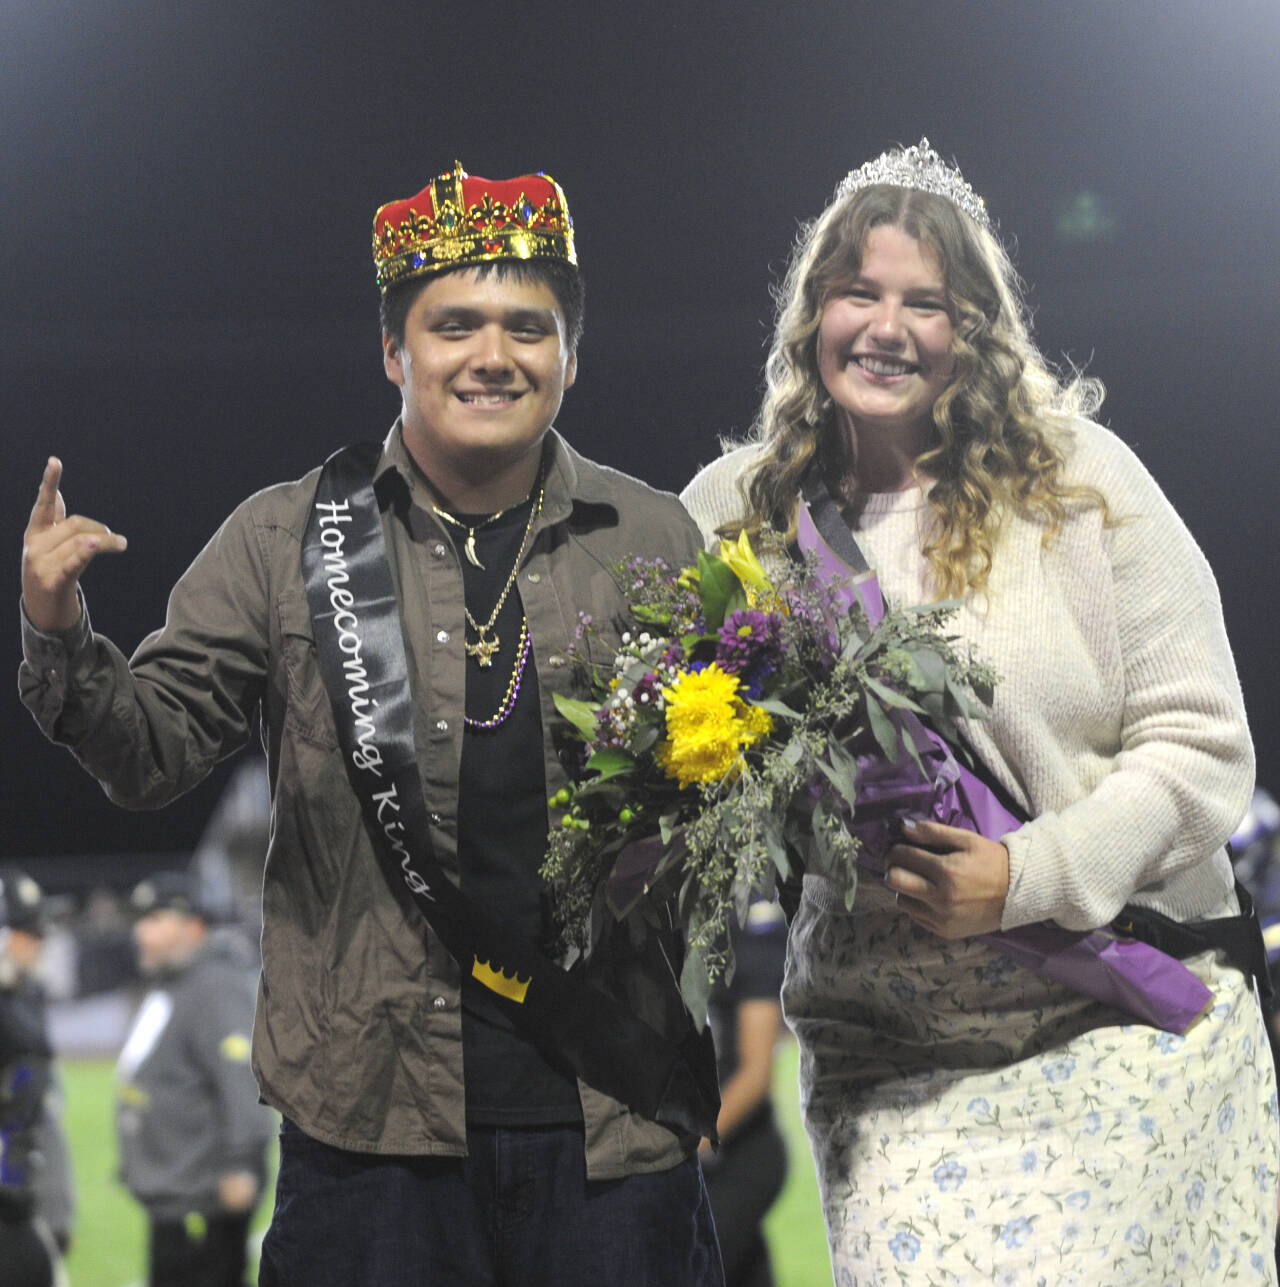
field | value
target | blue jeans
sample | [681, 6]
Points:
[518, 1211]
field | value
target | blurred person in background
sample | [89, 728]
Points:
[192, 1135]
[228, 857]
[1255, 853]
[36, 1198]
[745, 1177]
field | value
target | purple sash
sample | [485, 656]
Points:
[1125, 973]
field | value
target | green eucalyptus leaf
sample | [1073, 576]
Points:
[778, 708]
[841, 770]
[776, 846]
[610, 761]
[929, 670]
[891, 697]
[695, 985]
[851, 889]
[883, 729]
[611, 794]
[582, 715]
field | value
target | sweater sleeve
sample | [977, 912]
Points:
[1181, 776]
[714, 496]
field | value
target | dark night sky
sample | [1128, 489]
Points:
[189, 313]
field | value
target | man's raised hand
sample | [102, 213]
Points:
[55, 552]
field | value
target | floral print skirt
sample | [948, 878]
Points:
[973, 1124]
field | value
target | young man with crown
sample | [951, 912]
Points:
[457, 1107]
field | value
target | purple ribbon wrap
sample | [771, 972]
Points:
[1125, 973]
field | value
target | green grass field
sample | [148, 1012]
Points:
[109, 1247]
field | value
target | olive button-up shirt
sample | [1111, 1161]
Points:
[358, 1032]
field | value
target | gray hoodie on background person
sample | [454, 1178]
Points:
[187, 1108]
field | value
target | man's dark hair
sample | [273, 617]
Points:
[565, 281]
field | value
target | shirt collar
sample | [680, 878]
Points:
[571, 479]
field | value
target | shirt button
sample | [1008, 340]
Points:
[442, 636]
[438, 550]
[442, 726]
[439, 1003]
[436, 819]
[555, 659]
[535, 577]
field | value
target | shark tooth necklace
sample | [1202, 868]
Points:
[487, 640]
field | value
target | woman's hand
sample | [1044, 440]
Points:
[951, 881]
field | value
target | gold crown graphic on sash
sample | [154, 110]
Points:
[510, 986]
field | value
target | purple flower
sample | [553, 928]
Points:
[750, 645]
[672, 655]
[645, 692]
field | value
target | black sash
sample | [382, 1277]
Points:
[1239, 937]
[356, 618]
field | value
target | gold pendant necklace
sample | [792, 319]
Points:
[469, 545]
[487, 641]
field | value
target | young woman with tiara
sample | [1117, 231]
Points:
[972, 1122]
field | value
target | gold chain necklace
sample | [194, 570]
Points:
[485, 647]
[507, 705]
[469, 547]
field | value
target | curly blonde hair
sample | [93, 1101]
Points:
[1000, 422]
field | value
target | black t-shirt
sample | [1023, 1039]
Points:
[502, 835]
[760, 948]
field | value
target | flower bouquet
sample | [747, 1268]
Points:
[723, 743]
[751, 723]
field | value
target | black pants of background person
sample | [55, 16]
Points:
[24, 1258]
[743, 1182]
[198, 1252]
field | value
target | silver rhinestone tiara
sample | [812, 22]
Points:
[921, 168]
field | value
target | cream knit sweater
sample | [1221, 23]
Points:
[1118, 721]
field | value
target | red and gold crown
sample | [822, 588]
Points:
[460, 219]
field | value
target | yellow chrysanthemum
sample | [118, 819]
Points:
[759, 723]
[707, 727]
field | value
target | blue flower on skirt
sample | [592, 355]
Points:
[1079, 1200]
[1136, 1235]
[905, 1246]
[1059, 1069]
[1016, 1232]
[1226, 1117]
[949, 1175]
[1195, 1195]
